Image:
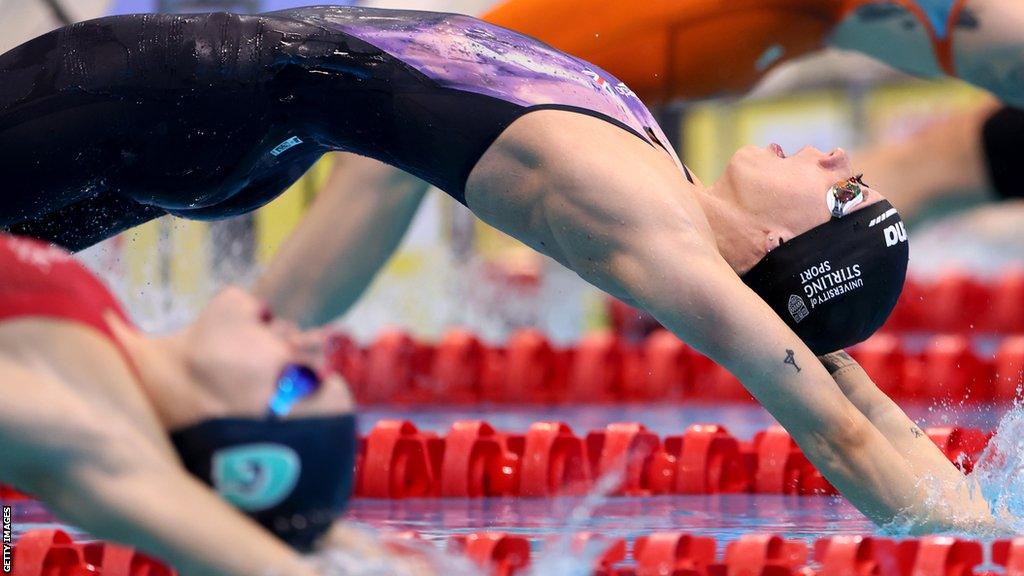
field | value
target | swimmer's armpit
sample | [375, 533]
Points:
[837, 362]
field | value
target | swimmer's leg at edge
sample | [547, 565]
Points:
[96, 468]
[355, 225]
[618, 219]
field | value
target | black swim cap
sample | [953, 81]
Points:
[836, 284]
[292, 476]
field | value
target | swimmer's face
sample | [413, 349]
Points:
[236, 352]
[789, 191]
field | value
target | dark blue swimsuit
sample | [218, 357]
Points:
[110, 123]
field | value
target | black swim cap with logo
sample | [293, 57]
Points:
[836, 284]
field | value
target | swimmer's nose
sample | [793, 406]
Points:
[836, 161]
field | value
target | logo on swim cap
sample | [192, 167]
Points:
[797, 309]
[895, 234]
[256, 477]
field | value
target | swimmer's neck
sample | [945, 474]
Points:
[162, 365]
[742, 237]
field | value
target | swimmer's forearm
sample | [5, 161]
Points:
[923, 456]
[721, 317]
[943, 160]
[964, 506]
[349, 233]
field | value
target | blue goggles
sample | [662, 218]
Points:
[295, 384]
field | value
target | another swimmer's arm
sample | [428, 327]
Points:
[988, 45]
[350, 232]
[95, 470]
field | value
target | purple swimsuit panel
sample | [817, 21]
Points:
[468, 54]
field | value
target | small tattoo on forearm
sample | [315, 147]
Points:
[917, 432]
[836, 361]
[791, 360]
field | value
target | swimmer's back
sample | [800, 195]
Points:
[160, 110]
[116, 121]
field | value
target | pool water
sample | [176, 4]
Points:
[723, 517]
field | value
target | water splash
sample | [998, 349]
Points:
[1000, 470]
[354, 550]
[564, 556]
[997, 478]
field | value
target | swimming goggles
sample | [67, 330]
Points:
[295, 384]
[845, 195]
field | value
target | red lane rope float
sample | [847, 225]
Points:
[54, 553]
[473, 460]
[501, 553]
[956, 303]
[603, 368]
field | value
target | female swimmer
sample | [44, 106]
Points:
[105, 424]
[109, 123]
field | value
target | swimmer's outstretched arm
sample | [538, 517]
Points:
[923, 456]
[94, 468]
[701, 300]
[354, 226]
